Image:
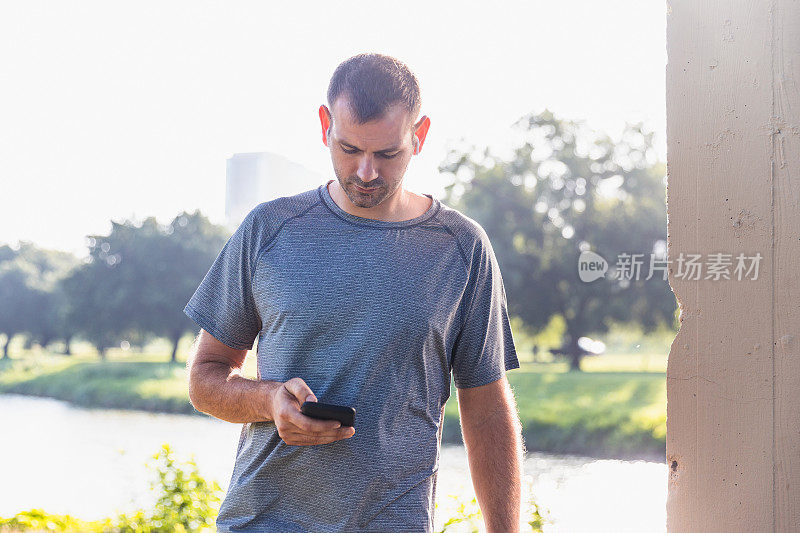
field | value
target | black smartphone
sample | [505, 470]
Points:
[328, 411]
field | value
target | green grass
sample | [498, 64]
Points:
[151, 386]
[602, 414]
[616, 408]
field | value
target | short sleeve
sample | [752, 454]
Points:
[484, 348]
[223, 303]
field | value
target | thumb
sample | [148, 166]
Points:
[300, 390]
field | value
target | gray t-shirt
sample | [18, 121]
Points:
[370, 314]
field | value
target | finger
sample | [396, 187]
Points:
[289, 431]
[307, 424]
[300, 390]
[337, 434]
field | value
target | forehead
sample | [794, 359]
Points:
[390, 129]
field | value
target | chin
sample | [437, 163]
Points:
[362, 200]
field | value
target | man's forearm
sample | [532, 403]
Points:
[222, 392]
[494, 449]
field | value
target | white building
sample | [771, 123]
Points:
[257, 177]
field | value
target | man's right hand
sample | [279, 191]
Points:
[296, 428]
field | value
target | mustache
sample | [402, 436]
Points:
[372, 185]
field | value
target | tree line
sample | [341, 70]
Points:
[563, 190]
[132, 286]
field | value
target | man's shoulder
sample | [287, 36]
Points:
[264, 222]
[468, 231]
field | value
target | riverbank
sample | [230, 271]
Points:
[600, 413]
[94, 464]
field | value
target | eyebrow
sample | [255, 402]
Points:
[385, 150]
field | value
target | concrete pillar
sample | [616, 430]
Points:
[733, 379]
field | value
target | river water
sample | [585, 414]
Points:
[90, 463]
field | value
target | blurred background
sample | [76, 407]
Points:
[134, 137]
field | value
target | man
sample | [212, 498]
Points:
[363, 294]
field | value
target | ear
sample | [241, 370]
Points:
[420, 132]
[325, 122]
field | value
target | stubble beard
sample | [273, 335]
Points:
[361, 199]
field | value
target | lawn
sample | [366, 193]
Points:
[604, 414]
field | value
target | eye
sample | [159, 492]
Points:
[345, 150]
[385, 156]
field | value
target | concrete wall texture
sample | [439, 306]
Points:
[733, 379]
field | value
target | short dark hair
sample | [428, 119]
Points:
[373, 83]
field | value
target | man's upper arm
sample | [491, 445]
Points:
[211, 349]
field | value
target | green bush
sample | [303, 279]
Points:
[186, 501]
[39, 520]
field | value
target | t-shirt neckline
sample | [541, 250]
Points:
[325, 195]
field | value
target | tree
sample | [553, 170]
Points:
[566, 190]
[140, 276]
[94, 310]
[165, 265]
[48, 320]
[28, 276]
[194, 243]
[16, 297]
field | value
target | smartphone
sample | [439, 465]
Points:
[328, 411]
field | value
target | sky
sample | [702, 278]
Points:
[116, 110]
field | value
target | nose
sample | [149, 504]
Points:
[366, 169]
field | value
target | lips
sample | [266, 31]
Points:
[360, 189]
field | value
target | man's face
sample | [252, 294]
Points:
[372, 155]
